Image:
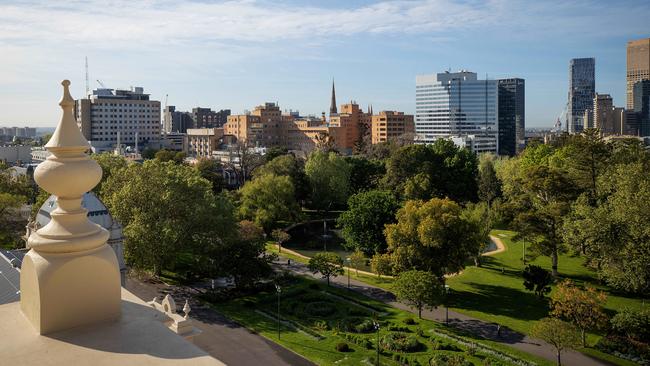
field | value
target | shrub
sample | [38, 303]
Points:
[449, 360]
[409, 321]
[634, 324]
[356, 325]
[320, 308]
[342, 347]
[400, 342]
[321, 325]
[440, 345]
[621, 345]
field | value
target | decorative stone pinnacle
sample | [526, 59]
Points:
[186, 309]
[70, 277]
[68, 173]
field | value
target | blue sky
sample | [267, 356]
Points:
[238, 54]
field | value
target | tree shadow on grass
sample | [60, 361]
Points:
[500, 300]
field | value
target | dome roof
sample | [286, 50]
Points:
[97, 213]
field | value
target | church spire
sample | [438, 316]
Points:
[333, 110]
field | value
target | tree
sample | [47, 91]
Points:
[545, 201]
[267, 200]
[211, 170]
[290, 166]
[165, 209]
[633, 323]
[110, 164]
[12, 225]
[614, 235]
[149, 153]
[329, 178]
[419, 289]
[561, 335]
[274, 152]
[537, 279]
[432, 236]
[327, 263]
[438, 170]
[362, 225]
[243, 160]
[365, 174]
[489, 186]
[357, 259]
[582, 308]
[479, 215]
[165, 155]
[280, 236]
[381, 264]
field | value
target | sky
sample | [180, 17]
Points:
[239, 54]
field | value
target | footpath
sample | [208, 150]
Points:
[466, 323]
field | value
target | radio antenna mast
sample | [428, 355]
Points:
[87, 83]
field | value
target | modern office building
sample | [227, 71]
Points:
[638, 66]
[176, 121]
[582, 89]
[512, 116]
[28, 132]
[109, 113]
[641, 106]
[459, 107]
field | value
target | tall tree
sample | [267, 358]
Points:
[268, 200]
[479, 215]
[544, 203]
[363, 223]
[582, 308]
[290, 166]
[163, 208]
[439, 170]
[211, 170]
[328, 264]
[561, 335]
[329, 178]
[110, 164]
[537, 279]
[431, 236]
[381, 264]
[489, 185]
[419, 289]
[365, 174]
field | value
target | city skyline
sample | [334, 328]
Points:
[235, 55]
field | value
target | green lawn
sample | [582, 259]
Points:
[495, 292]
[312, 315]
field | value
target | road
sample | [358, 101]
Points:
[475, 326]
[222, 338]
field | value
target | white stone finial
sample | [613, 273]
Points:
[186, 309]
[70, 277]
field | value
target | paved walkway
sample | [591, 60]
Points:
[222, 338]
[475, 326]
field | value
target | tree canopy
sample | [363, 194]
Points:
[432, 236]
[267, 200]
[328, 264]
[329, 178]
[362, 225]
[419, 289]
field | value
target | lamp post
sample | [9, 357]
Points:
[446, 304]
[348, 260]
[278, 289]
[375, 324]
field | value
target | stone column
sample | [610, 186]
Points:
[70, 277]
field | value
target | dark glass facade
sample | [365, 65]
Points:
[641, 103]
[582, 88]
[512, 116]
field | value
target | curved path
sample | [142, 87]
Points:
[472, 325]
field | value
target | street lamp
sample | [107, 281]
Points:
[446, 304]
[348, 260]
[278, 289]
[375, 325]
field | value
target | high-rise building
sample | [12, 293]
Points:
[176, 121]
[512, 116]
[207, 118]
[638, 65]
[459, 107]
[109, 113]
[582, 88]
[641, 106]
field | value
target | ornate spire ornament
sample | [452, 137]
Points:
[70, 277]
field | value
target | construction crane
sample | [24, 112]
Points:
[87, 83]
[101, 84]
